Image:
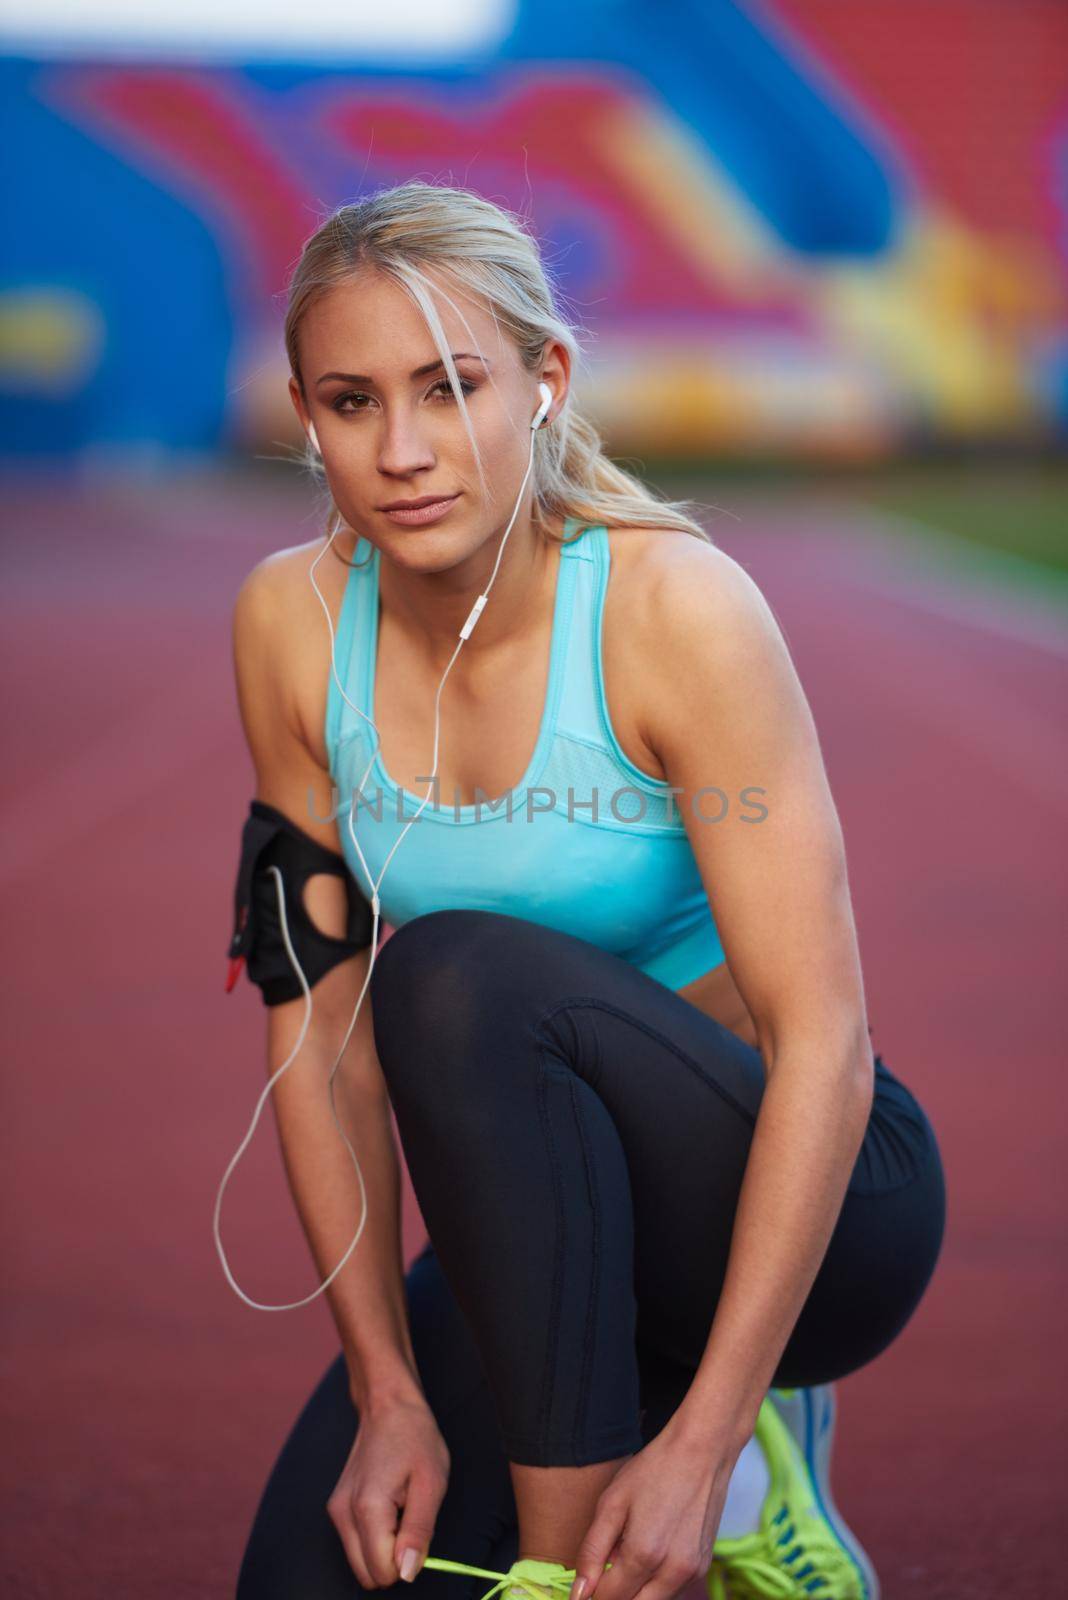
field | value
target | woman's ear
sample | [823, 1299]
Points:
[301, 410]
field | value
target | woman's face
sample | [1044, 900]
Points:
[389, 427]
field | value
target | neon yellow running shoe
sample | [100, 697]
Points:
[802, 1549]
[528, 1579]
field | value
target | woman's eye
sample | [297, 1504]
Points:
[352, 395]
[442, 388]
[466, 386]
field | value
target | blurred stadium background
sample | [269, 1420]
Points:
[819, 248]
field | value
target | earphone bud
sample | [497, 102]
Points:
[314, 437]
[465, 632]
[546, 401]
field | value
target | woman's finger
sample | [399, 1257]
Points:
[632, 1571]
[669, 1580]
[375, 1515]
[424, 1497]
[339, 1510]
[595, 1550]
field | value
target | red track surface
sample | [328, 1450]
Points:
[144, 1401]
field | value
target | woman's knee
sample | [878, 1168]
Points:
[292, 1547]
[412, 975]
[434, 1010]
[433, 985]
[423, 959]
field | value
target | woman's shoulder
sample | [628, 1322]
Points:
[276, 601]
[280, 637]
[657, 571]
[680, 610]
[281, 576]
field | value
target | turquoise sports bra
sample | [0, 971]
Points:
[622, 876]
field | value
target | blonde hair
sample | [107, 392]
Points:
[488, 252]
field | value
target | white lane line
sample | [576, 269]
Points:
[949, 577]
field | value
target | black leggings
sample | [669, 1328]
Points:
[576, 1135]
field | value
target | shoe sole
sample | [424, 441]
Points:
[821, 1414]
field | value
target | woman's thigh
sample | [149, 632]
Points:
[294, 1551]
[472, 1009]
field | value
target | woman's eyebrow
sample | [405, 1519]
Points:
[420, 372]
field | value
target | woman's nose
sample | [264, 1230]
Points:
[404, 447]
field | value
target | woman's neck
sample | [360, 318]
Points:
[430, 608]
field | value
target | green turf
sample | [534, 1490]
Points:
[1022, 512]
[1018, 508]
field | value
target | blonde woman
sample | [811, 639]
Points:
[670, 1195]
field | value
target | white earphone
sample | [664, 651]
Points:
[546, 395]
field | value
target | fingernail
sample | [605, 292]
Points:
[409, 1562]
[578, 1589]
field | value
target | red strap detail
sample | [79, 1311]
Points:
[236, 963]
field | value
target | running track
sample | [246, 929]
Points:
[144, 1402]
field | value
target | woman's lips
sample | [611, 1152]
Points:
[423, 514]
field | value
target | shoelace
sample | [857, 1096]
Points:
[535, 1577]
[816, 1564]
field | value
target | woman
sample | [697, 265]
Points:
[670, 1197]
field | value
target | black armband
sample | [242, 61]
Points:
[270, 839]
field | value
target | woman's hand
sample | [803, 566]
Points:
[399, 1462]
[656, 1522]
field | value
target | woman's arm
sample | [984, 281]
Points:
[725, 713]
[366, 1298]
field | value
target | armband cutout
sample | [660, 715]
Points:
[270, 839]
